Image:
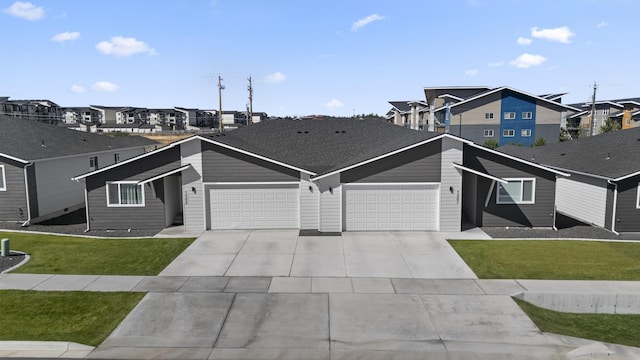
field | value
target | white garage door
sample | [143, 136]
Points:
[391, 207]
[254, 207]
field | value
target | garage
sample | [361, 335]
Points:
[265, 206]
[375, 207]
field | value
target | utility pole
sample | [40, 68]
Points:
[220, 88]
[593, 111]
[250, 88]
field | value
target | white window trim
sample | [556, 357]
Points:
[522, 180]
[527, 115]
[488, 115]
[522, 133]
[638, 197]
[509, 117]
[488, 133]
[514, 133]
[4, 179]
[124, 205]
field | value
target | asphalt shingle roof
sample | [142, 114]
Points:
[31, 140]
[610, 155]
[321, 146]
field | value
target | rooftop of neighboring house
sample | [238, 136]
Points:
[30, 140]
[610, 155]
[321, 146]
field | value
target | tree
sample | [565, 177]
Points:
[540, 142]
[491, 143]
[609, 125]
[564, 135]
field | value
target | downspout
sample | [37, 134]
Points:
[26, 190]
[555, 207]
[615, 206]
[86, 207]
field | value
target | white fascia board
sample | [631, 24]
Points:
[543, 167]
[14, 158]
[255, 155]
[451, 96]
[164, 174]
[578, 114]
[517, 91]
[626, 176]
[480, 173]
[170, 146]
[389, 154]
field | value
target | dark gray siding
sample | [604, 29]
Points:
[420, 164]
[13, 203]
[33, 192]
[539, 214]
[627, 216]
[609, 210]
[152, 215]
[224, 165]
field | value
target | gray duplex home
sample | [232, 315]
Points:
[37, 161]
[325, 176]
[604, 186]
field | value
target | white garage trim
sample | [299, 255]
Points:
[253, 205]
[391, 206]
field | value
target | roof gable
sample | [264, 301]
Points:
[31, 140]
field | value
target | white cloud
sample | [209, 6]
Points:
[561, 34]
[25, 10]
[603, 24]
[104, 86]
[496, 64]
[471, 72]
[276, 77]
[525, 61]
[366, 21]
[65, 36]
[524, 41]
[333, 104]
[77, 89]
[123, 46]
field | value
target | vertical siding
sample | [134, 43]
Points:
[627, 215]
[450, 186]
[194, 215]
[470, 197]
[582, 198]
[539, 214]
[330, 204]
[309, 204]
[13, 201]
[420, 164]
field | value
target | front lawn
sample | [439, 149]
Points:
[551, 259]
[58, 254]
[610, 328]
[81, 317]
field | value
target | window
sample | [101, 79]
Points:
[125, 194]
[509, 115]
[508, 133]
[628, 122]
[3, 181]
[488, 133]
[516, 191]
[527, 115]
[488, 115]
[93, 163]
[605, 111]
[116, 157]
[525, 132]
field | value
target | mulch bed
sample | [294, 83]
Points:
[7, 262]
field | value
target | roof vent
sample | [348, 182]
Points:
[343, 131]
[42, 144]
[306, 132]
[563, 154]
[608, 156]
[533, 158]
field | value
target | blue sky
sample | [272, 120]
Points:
[334, 57]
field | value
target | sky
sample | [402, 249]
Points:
[331, 57]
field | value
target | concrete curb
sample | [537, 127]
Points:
[44, 349]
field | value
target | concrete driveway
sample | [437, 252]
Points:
[354, 254]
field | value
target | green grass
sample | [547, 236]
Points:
[53, 254]
[82, 317]
[610, 328]
[551, 259]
